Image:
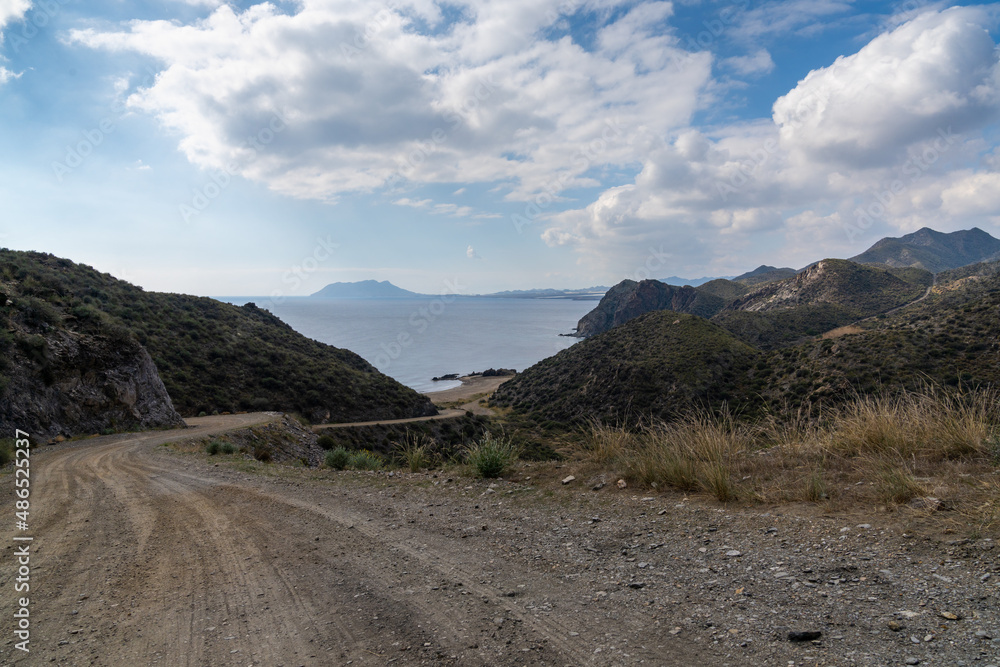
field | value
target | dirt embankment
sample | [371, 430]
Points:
[145, 556]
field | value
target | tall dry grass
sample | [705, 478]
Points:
[932, 423]
[875, 445]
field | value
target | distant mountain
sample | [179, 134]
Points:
[630, 299]
[587, 293]
[366, 289]
[764, 274]
[933, 251]
[693, 282]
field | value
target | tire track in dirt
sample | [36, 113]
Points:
[146, 557]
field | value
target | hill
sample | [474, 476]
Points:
[863, 290]
[727, 290]
[933, 251]
[211, 356]
[656, 364]
[764, 274]
[365, 289]
[630, 299]
[661, 363]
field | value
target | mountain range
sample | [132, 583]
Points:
[784, 347]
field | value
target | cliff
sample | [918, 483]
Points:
[630, 299]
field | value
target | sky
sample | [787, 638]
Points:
[474, 146]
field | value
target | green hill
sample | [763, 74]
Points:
[211, 356]
[933, 251]
[865, 290]
[661, 363]
[727, 290]
[657, 364]
[764, 274]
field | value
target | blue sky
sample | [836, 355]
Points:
[271, 148]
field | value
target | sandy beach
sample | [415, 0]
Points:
[472, 385]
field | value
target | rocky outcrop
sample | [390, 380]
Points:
[630, 299]
[64, 383]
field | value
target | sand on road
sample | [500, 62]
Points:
[144, 556]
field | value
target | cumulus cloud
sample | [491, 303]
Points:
[369, 96]
[937, 71]
[12, 10]
[471, 253]
[884, 141]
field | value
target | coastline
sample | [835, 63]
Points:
[471, 387]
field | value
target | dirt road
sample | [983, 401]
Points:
[147, 556]
[143, 556]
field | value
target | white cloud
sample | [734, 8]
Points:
[885, 141]
[937, 71]
[755, 63]
[12, 10]
[370, 98]
[471, 253]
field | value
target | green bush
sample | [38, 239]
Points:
[412, 451]
[213, 447]
[227, 448]
[366, 460]
[492, 455]
[327, 441]
[338, 458]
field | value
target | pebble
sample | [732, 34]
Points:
[912, 661]
[732, 553]
[568, 479]
[804, 635]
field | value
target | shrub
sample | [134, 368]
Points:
[893, 481]
[492, 455]
[326, 441]
[366, 460]
[815, 487]
[413, 451]
[227, 448]
[213, 447]
[338, 458]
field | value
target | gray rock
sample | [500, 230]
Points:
[92, 383]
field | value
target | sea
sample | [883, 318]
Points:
[415, 340]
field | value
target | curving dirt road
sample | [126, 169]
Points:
[143, 556]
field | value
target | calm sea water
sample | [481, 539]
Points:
[414, 340]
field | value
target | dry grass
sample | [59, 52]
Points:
[705, 451]
[931, 424]
[878, 449]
